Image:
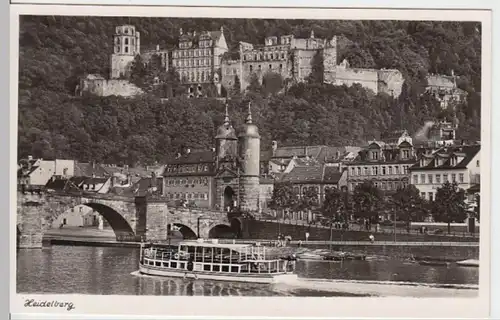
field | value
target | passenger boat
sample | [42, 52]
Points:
[214, 261]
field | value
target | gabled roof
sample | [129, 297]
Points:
[313, 174]
[446, 153]
[141, 187]
[83, 169]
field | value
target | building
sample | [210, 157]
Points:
[197, 59]
[444, 88]
[223, 178]
[297, 59]
[389, 81]
[459, 163]
[284, 159]
[35, 173]
[126, 46]
[386, 164]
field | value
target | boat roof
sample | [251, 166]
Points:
[213, 245]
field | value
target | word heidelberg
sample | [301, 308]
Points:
[49, 304]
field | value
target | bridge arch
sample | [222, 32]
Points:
[121, 227]
[225, 231]
[185, 231]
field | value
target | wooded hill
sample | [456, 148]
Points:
[55, 51]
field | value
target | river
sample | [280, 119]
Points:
[109, 271]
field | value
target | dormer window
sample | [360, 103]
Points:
[374, 155]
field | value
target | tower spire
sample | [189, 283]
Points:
[226, 119]
[249, 117]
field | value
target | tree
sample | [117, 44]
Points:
[138, 72]
[408, 203]
[283, 197]
[272, 83]
[236, 89]
[308, 199]
[334, 206]
[449, 205]
[477, 208]
[254, 84]
[368, 200]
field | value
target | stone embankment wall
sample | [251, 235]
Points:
[269, 230]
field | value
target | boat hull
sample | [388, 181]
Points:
[236, 277]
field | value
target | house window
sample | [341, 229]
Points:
[429, 177]
[453, 177]
[383, 171]
[461, 177]
[422, 178]
[415, 178]
[445, 177]
[366, 171]
[353, 171]
[438, 178]
[396, 170]
[431, 196]
[359, 171]
[422, 195]
[406, 154]
[383, 185]
[374, 155]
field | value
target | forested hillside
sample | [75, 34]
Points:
[55, 51]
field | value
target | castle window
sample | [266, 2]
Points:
[132, 41]
[126, 30]
[117, 40]
[281, 67]
[272, 56]
[251, 68]
[126, 40]
[117, 49]
[282, 55]
[203, 76]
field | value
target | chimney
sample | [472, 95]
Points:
[180, 32]
[178, 155]
[194, 33]
[312, 34]
[30, 158]
[157, 47]
[274, 146]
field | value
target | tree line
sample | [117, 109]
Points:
[367, 203]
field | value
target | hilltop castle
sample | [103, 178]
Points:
[204, 62]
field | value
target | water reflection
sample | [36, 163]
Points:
[88, 270]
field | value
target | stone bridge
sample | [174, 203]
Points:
[131, 218]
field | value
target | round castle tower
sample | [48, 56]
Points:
[249, 153]
[226, 140]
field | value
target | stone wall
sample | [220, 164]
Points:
[103, 88]
[192, 218]
[368, 78]
[121, 65]
[249, 193]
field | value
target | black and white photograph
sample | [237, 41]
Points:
[283, 156]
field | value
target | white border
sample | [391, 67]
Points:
[271, 306]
